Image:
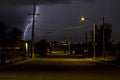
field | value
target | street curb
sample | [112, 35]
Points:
[103, 62]
[3, 67]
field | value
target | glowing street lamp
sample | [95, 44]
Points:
[26, 47]
[94, 32]
[82, 18]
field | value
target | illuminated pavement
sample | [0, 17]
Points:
[60, 69]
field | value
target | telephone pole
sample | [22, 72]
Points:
[33, 23]
[103, 37]
[94, 39]
[86, 37]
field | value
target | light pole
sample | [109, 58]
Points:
[69, 47]
[86, 38]
[26, 47]
[103, 37]
[94, 35]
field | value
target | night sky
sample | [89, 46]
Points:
[59, 19]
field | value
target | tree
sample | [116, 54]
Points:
[99, 36]
[107, 35]
[9, 38]
[15, 42]
[15, 37]
[2, 34]
[41, 47]
[10, 41]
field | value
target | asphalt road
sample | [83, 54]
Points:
[60, 69]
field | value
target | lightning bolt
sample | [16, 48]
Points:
[28, 26]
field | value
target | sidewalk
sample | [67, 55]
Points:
[105, 59]
[108, 60]
[14, 62]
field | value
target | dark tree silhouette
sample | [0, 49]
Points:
[10, 42]
[41, 47]
[15, 42]
[107, 35]
[2, 42]
[14, 37]
[9, 38]
[3, 34]
[99, 36]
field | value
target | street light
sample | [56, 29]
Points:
[26, 47]
[94, 32]
[82, 18]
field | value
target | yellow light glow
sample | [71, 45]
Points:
[26, 46]
[82, 18]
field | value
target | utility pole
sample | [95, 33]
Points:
[94, 39]
[33, 55]
[86, 37]
[33, 22]
[103, 37]
[69, 47]
[94, 35]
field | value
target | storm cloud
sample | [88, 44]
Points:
[55, 15]
[29, 2]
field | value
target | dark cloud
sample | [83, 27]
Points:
[54, 1]
[29, 2]
[85, 0]
[54, 18]
[88, 0]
